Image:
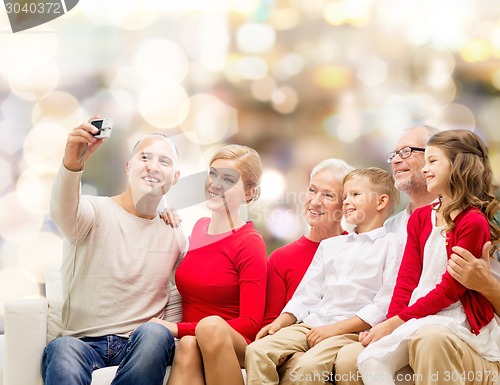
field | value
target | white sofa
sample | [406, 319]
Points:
[31, 323]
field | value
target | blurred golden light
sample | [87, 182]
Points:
[164, 105]
[255, 38]
[58, 106]
[272, 185]
[437, 95]
[34, 82]
[206, 38]
[372, 71]
[159, 60]
[232, 70]
[209, 120]
[244, 7]
[285, 100]
[252, 67]
[39, 253]
[6, 172]
[44, 147]
[290, 65]
[348, 129]
[16, 222]
[490, 116]
[263, 88]
[456, 116]
[476, 50]
[8, 253]
[24, 52]
[30, 182]
[495, 40]
[16, 283]
[312, 8]
[495, 80]
[336, 12]
[285, 18]
[283, 224]
[115, 103]
[354, 12]
[433, 67]
[332, 77]
[131, 15]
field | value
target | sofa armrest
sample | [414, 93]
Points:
[25, 340]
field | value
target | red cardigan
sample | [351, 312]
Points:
[471, 231]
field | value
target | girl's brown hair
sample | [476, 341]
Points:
[471, 177]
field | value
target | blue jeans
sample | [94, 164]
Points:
[142, 358]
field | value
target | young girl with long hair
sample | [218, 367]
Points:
[456, 168]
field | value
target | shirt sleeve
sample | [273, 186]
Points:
[276, 290]
[471, 234]
[72, 214]
[309, 292]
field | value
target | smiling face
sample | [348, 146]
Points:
[323, 204]
[407, 172]
[360, 201]
[437, 171]
[224, 186]
[152, 168]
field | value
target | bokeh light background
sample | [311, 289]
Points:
[299, 80]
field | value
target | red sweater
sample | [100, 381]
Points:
[471, 231]
[223, 275]
[286, 267]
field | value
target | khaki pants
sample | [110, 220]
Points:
[307, 365]
[438, 356]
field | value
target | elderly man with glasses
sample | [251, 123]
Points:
[406, 164]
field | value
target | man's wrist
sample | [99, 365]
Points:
[491, 289]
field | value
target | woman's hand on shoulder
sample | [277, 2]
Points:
[171, 217]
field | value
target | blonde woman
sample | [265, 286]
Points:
[222, 279]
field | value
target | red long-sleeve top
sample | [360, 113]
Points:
[470, 232]
[286, 267]
[223, 275]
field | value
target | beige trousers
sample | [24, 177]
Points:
[439, 357]
[307, 365]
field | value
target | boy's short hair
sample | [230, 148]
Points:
[382, 182]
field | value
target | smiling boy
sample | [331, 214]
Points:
[346, 289]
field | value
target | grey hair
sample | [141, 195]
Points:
[429, 131]
[337, 167]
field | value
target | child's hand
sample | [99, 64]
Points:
[320, 333]
[263, 332]
[284, 320]
[381, 330]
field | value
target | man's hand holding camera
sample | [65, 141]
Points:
[81, 144]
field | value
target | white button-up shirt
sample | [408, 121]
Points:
[350, 275]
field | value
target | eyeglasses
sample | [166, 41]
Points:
[403, 153]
